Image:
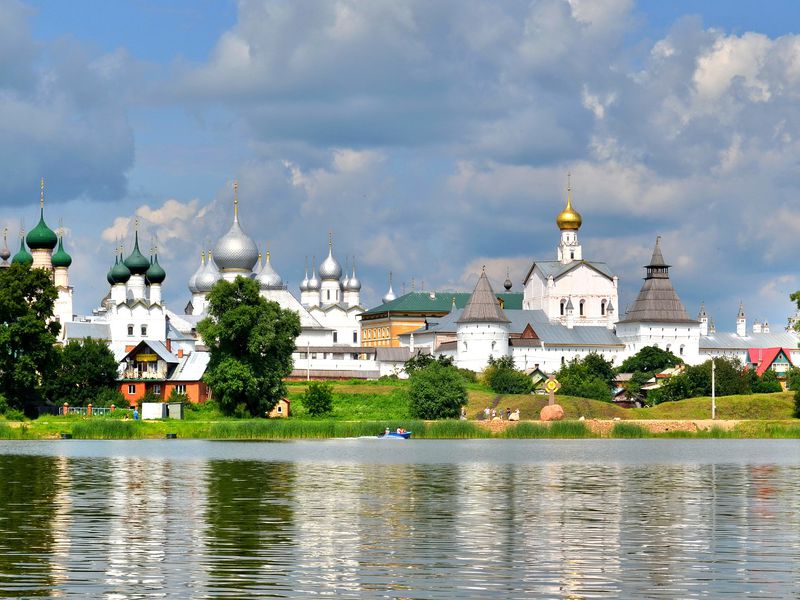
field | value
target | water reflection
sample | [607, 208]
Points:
[130, 527]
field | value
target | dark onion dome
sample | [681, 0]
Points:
[330, 269]
[137, 262]
[22, 257]
[42, 237]
[155, 274]
[121, 273]
[61, 258]
[235, 251]
[110, 275]
[507, 284]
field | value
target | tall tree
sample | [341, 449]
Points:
[86, 372]
[27, 333]
[251, 341]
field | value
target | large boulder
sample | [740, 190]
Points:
[552, 412]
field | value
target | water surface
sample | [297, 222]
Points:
[395, 519]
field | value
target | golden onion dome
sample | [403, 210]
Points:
[569, 218]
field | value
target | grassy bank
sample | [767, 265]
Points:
[285, 429]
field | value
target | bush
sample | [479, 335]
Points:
[589, 377]
[318, 398]
[176, 396]
[503, 378]
[437, 392]
[793, 379]
[109, 396]
[421, 361]
[797, 404]
[151, 396]
[766, 384]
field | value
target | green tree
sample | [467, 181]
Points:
[797, 404]
[420, 361]
[27, 334]
[84, 370]
[793, 379]
[251, 341]
[582, 378]
[503, 377]
[730, 378]
[436, 392]
[767, 383]
[318, 398]
[649, 359]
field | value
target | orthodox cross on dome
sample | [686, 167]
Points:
[41, 194]
[235, 200]
[330, 239]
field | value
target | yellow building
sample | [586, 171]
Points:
[382, 325]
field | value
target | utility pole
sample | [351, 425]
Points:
[713, 390]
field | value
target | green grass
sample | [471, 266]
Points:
[106, 429]
[752, 406]
[629, 430]
[452, 429]
[530, 405]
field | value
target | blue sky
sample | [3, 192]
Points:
[431, 138]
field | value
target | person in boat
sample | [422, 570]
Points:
[386, 432]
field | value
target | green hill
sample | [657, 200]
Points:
[779, 405]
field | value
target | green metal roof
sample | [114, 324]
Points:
[155, 274]
[42, 237]
[437, 302]
[137, 263]
[23, 256]
[61, 258]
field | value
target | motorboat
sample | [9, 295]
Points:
[397, 435]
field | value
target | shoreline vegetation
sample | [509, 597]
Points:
[367, 408]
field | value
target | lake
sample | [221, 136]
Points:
[368, 518]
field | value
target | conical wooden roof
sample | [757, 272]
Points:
[483, 306]
[657, 300]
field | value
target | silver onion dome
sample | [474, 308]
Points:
[208, 277]
[330, 269]
[314, 284]
[304, 283]
[268, 278]
[5, 253]
[236, 251]
[353, 283]
[258, 267]
[390, 295]
[344, 283]
[193, 278]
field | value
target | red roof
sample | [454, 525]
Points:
[762, 358]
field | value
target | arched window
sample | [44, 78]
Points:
[563, 306]
[493, 344]
[580, 307]
[603, 308]
[563, 361]
[681, 350]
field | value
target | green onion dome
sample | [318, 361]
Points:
[137, 262]
[120, 273]
[42, 237]
[61, 258]
[110, 276]
[23, 256]
[155, 274]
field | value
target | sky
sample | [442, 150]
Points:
[430, 138]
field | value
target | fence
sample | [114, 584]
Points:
[87, 411]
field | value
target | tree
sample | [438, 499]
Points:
[437, 392]
[583, 378]
[27, 334]
[503, 377]
[318, 398]
[797, 404]
[766, 384]
[420, 361]
[649, 359]
[793, 379]
[251, 341]
[84, 371]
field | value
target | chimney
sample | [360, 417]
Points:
[168, 343]
[180, 352]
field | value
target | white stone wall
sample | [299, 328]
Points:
[682, 339]
[478, 341]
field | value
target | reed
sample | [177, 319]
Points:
[525, 431]
[107, 429]
[569, 429]
[10, 433]
[629, 431]
[452, 429]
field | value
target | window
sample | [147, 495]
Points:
[130, 329]
[580, 307]
[180, 388]
[493, 344]
[563, 361]
[131, 389]
[335, 336]
[563, 305]
[280, 409]
[144, 330]
[681, 350]
[329, 294]
[572, 255]
[157, 389]
[355, 337]
[603, 308]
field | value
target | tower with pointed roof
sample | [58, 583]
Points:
[235, 253]
[482, 328]
[330, 273]
[658, 317]
[41, 239]
[592, 286]
[741, 321]
[61, 262]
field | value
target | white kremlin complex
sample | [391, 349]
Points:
[569, 307]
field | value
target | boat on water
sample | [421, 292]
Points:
[397, 435]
